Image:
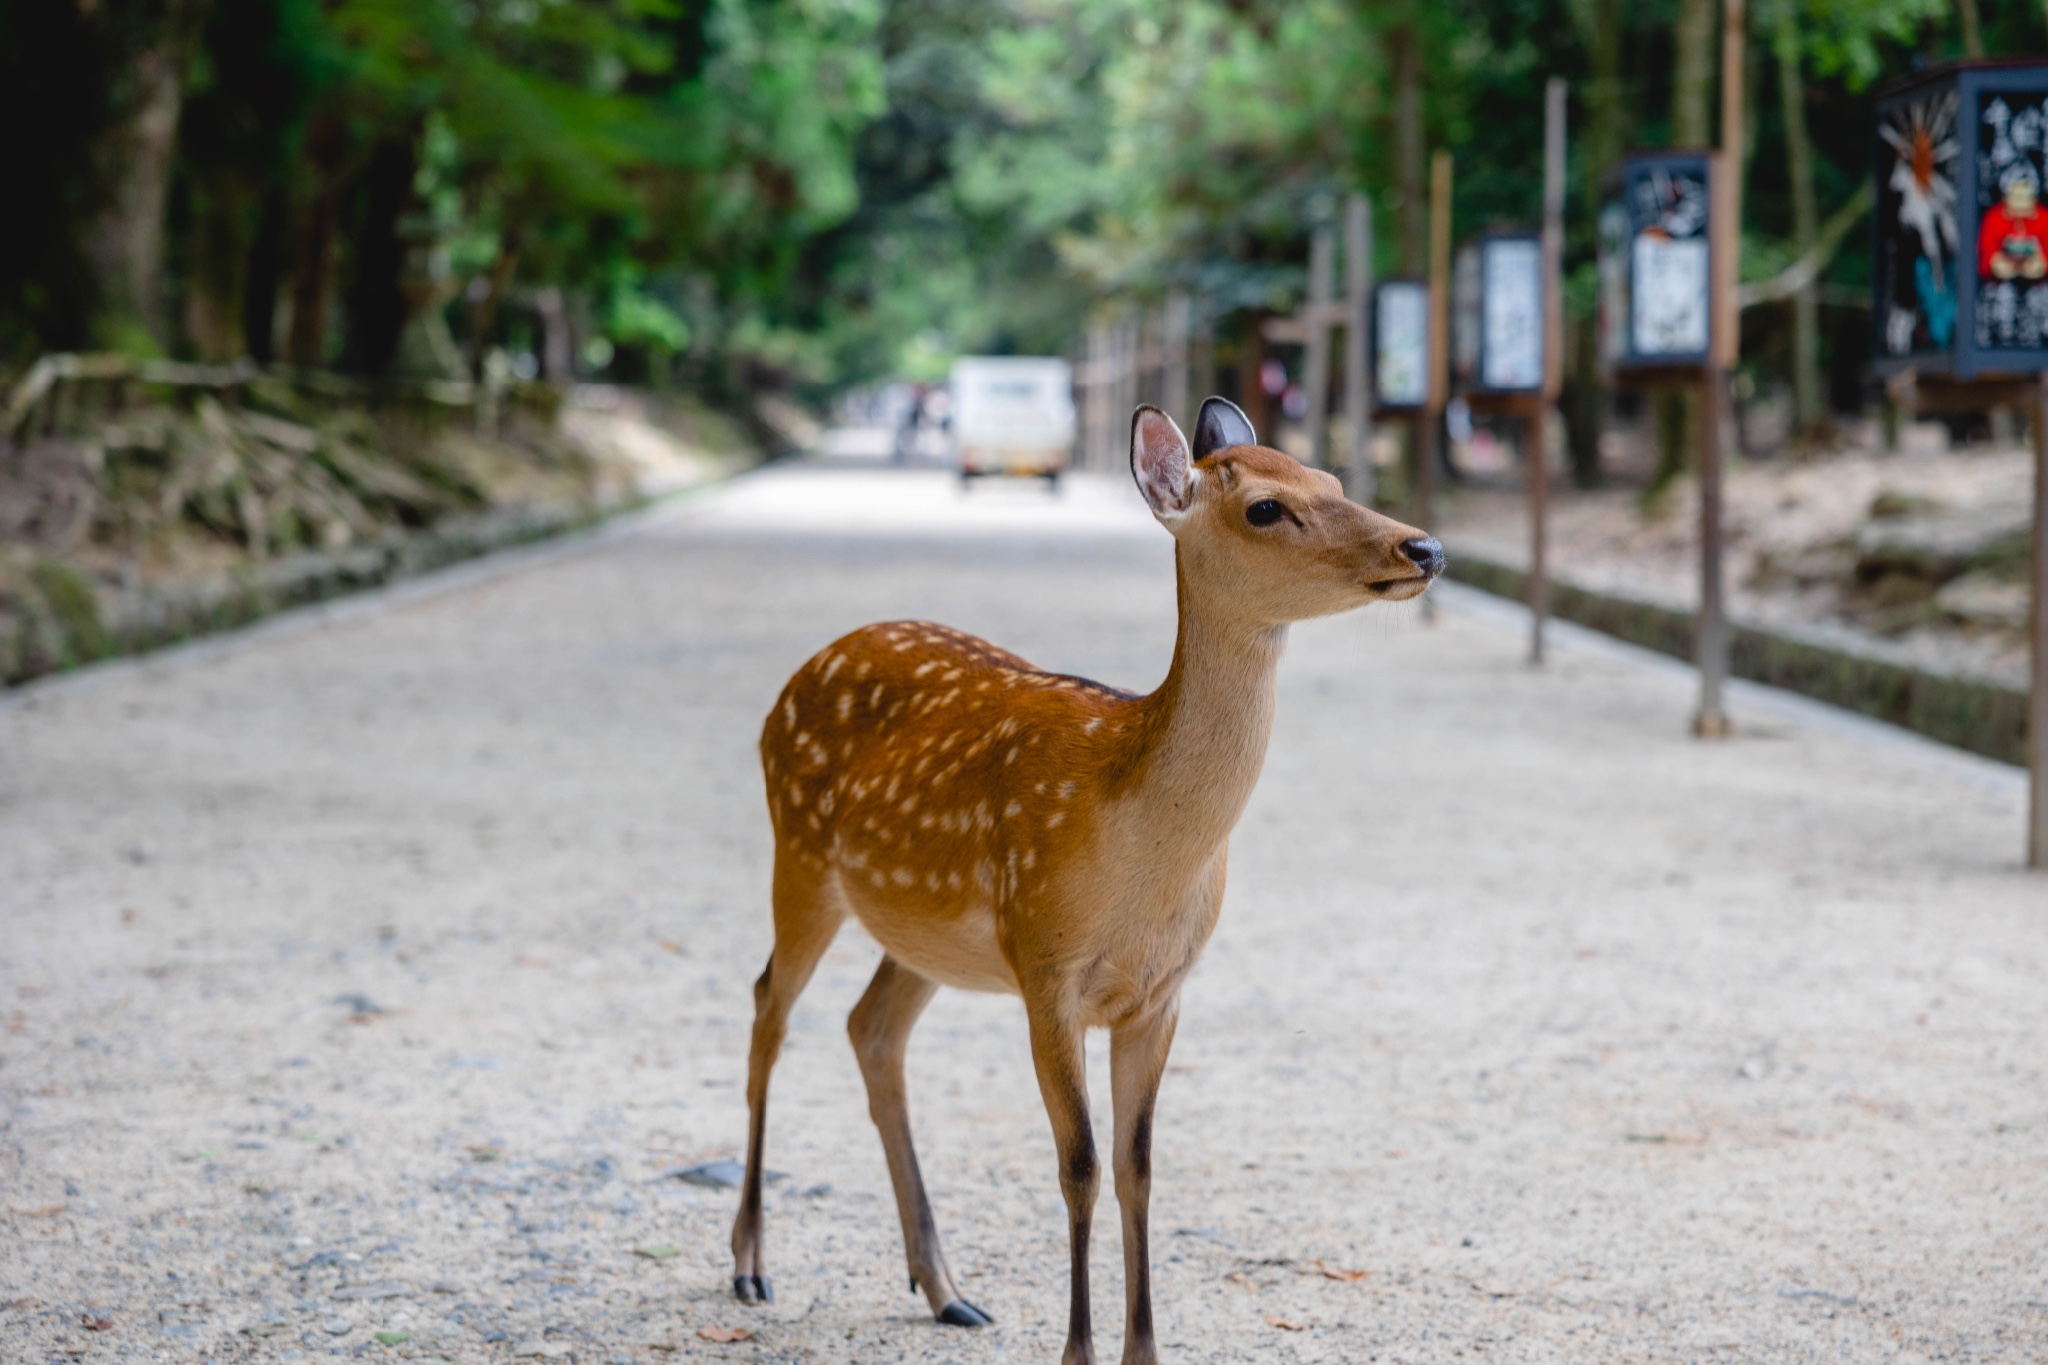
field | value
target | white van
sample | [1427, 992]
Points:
[1012, 415]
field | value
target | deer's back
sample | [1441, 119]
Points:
[935, 775]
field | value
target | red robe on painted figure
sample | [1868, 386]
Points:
[2005, 233]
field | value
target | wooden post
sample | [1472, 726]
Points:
[1358, 470]
[2037, 698]
[1724, 349]
[1173, 390]
[1428, 450]
[1322, 267]
[1553, 364]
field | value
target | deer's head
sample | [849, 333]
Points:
[1262, 537]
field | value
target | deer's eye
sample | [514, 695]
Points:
[1264, 512]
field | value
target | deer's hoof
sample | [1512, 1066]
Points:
[961, 1313]
[753, 1289]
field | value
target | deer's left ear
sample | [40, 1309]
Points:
[1160, 463]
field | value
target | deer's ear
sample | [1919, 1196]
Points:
[1221, 425]
[1160, 462]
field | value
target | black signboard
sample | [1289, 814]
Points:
[1961, 235]
[1656, 263]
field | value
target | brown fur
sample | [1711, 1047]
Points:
[1000, 828]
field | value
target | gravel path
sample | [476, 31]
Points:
[367, 974]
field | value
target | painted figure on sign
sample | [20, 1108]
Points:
[2009, 244]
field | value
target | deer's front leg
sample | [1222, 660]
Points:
[1137, 1057]
[1056, 1038]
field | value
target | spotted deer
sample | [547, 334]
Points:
[999, 828]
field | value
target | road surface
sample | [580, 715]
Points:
[369, 972]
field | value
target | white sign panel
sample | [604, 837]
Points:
[1511, 355]
[1401, 344]
[1669, 301]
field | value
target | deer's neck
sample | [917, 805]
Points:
[1209, 722]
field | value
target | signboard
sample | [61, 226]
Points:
[1961, 236]
[1656, 263]
[1400, 344]
[1497, 313]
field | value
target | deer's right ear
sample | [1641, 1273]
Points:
[1160, 463]
[1220, 425]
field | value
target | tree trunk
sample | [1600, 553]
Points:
[122, 237]
[1404, 54]
[1694, 55]
[1583, 401]
[1807, 402]
[376, 298]
[263, 278]
[313, 248]
[1973, 28]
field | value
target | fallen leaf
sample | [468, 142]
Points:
[1239, 1277]
[1285, 1324]
[669, 945]
[93, 1324]
[661, 1346]
[726, 1334]
[1332, 1273]
[484, 1151]
[394, 1338]
[1495, 1291]
[656, 1253]
[1396, 1152]
[46, 1211]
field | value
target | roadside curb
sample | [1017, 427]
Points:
[1981, 717]
[100, 628]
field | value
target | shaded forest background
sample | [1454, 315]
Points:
[797, 195]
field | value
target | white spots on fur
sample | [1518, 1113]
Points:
[1030, 858]
[1011, 757]
[825, 804]
[795, 794]
[927, 666]
[903, 876]
[878, 878]
[845, 706]
[954, 881]
[909, 805]
[1094, 724]
[875, 697]
[833, 667]
[1012, 810]
[1066, 791]
[1056, 819]
[789, 711]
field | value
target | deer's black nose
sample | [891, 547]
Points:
[1427, 554]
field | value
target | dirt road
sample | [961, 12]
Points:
[365, 974]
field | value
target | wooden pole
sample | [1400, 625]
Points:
[1322, 269]
[1553, 364]
[1724, 349]
[1428, 450]
[2037, 698]
[1358, 470]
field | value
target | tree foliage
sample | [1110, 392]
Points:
[817, 191]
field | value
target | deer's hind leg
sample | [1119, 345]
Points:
[808, 912]
[880, 1027]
